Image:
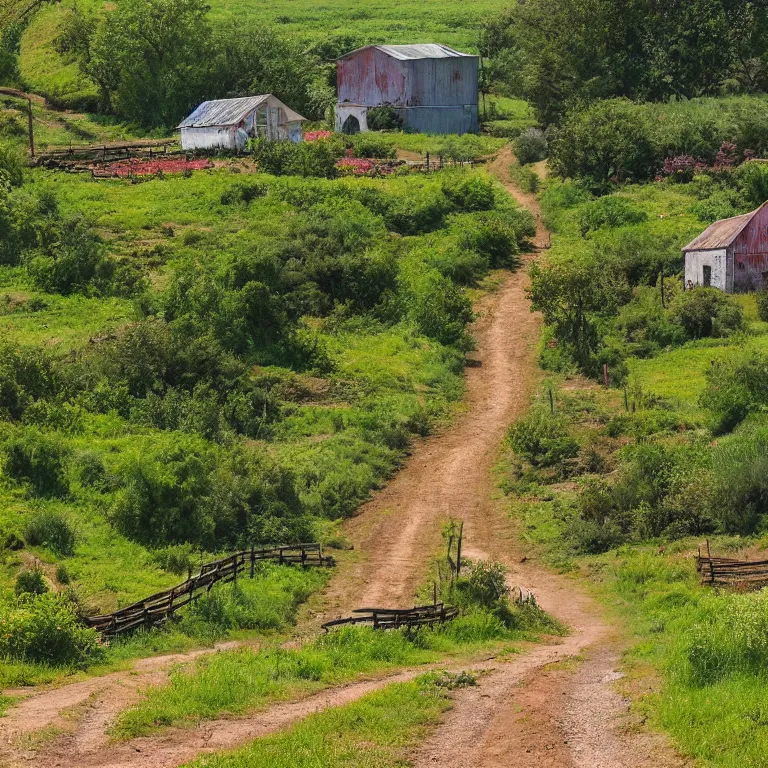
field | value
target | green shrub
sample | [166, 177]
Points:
[740, 493]
[761, 301]
[178, 559]
[469, 192]
[31, 582]
[383, 119]
[38, 460]
[525, 178]
[542, 438]
[705, 312]
[603, 142]
[62, 574]
[77, 263]
[307, 158]
[485, 584]
[50, 529]
[752, 181]
[609, 212]
[593, 538]
[530, 146]
[242, 192]
[735, 387]
[47, 629]
[11, 163]
[372, 146]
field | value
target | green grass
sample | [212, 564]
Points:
[374, 732]
[246, 680]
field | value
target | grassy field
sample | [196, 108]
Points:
[378, 730]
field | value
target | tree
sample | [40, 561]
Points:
[145, 57]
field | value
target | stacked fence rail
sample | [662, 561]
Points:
[155, 610]
[395, 618]
[728, 571]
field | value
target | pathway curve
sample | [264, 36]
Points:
[524, 712]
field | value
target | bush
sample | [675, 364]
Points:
[242, 192]
[383, 119]
[372, 146]
[178, 559]
[530, 146]
[603, 142]
[703, 312]
[77, 262]
[164, 498]
[39, 461]
[50, 529]
[761, 301]
[31, 582]
[469, 192]
[307, 158]
[11, 163]
[485, 585]
[542, 438]
[62, 574]
[610, 212]
[740, 493]
[47, 629]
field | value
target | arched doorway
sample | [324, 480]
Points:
[351, 125]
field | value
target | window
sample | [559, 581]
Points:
[706, 276]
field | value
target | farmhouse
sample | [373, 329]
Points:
[432, 88]
[731, 254]
[229, 123]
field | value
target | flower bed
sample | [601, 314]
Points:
[146, 167]
[315, 135]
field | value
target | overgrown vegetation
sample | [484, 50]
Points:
[284, 340]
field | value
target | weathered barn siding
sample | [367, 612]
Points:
[434, 89]
[750, 254]
[734, 249]
[716, 260]
[229, 123]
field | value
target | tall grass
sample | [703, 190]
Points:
[236, 681]
[373, 731]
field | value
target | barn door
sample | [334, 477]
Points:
[706, 276]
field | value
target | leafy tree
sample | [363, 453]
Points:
[145, 56]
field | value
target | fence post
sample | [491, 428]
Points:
[427, 162]
[253, 560]
[458, 550]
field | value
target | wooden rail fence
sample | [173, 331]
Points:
[394, 618]
[728, 571]
[155, 610]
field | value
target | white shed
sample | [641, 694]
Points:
[229, 123]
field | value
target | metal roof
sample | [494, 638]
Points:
[722, 233]
[231, 111]
[420, 51]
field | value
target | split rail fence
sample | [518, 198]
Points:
[395, 618]
[728, 571]
[155, 610]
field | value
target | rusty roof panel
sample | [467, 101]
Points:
[423, 51]
[720, 234]
[231, 111]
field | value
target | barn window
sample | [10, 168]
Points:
[706, 271]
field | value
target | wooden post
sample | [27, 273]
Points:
[605, 374]
[551, 402]
[458, 550]
[434, 593]
[253, 560]
[626, 399]
[663, 305]
[427, 162]
[441, 162]
[31, 129]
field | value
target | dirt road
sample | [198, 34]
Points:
[524, 712]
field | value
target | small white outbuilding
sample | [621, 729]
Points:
[229, 123]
